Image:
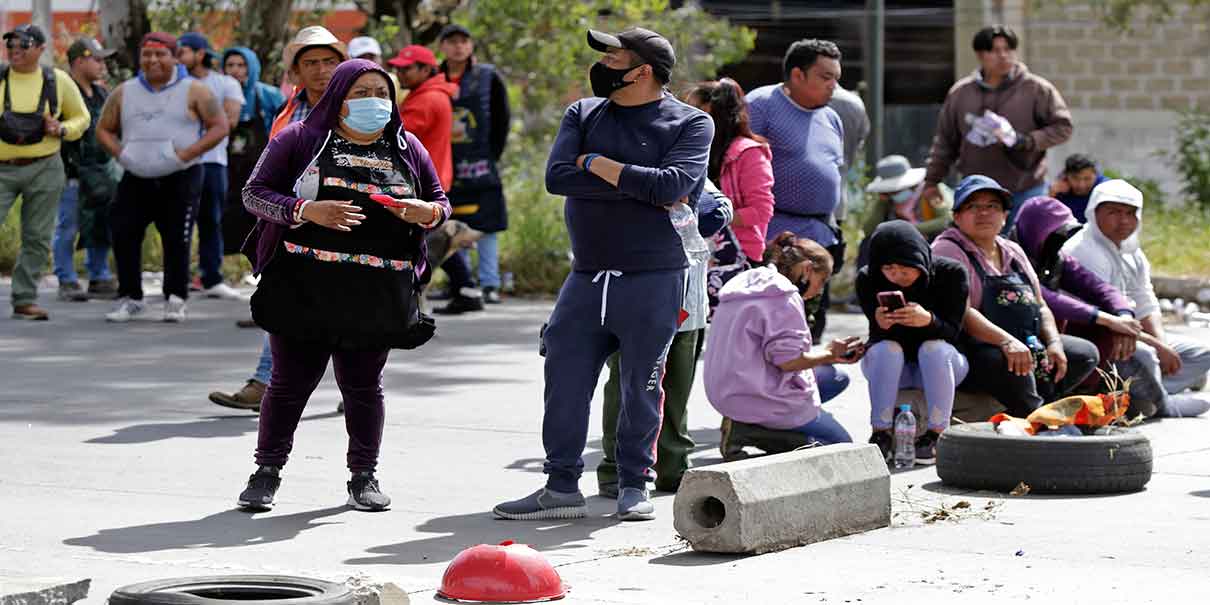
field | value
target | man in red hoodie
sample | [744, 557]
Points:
[428, 113]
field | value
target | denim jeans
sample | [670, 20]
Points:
[825, 430]
[1019, 198]
[489, 260]
[831, 381]
[96, 260]
[210, 224]
[264, 366]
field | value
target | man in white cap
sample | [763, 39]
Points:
[1109, 246]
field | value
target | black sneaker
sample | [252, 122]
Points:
[365, 495]
[262, 486]
[491, 295]
[926, 448]
[461, 304]
[72, 292]
[105, 289]
[886, 443]
[442, 294]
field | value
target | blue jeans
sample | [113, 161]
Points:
[489, 260]
[825, 430]
[210, 224]
[264, 366]
[1019, 198]
[831, 382]
[96, 260]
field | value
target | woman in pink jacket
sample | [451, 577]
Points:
[740, 163]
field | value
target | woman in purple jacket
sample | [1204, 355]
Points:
[340, 269]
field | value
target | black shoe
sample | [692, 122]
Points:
[104, 289]
[262, 486]
[442, 294]
[491, 296]
[365, 495]
[885, 442]
[72, 292]
[461, 304]
[771, 441]
[926, 448]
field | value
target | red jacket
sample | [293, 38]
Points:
[428, 113]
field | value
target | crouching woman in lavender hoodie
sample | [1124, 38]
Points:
[758, 353]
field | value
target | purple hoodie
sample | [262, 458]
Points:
[758, 324]
[1079, 293]
[271, 190]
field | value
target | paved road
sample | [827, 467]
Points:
[115, 467]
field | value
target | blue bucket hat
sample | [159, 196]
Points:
[978, 182]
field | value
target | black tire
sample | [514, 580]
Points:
[234, 590]
[976, 456]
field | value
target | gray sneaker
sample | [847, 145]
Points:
[635, 505]
[72, 292]
[543, 504]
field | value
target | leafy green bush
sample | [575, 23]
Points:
[1192, 156]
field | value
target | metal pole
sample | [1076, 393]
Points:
[41, 16]
[875, 81]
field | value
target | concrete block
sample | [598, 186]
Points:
[370, 591]
[785, 500]
[42, 591]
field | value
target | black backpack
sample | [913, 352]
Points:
[28, 128]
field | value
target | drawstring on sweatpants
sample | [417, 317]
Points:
[608, 273]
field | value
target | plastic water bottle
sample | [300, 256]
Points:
[1041, 361]
[905, 437]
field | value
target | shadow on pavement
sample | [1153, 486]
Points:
[226, 529]
[938, 487]
[705, 439]
[691, 558]
[211, 426]
[1201, 494]
[462, 531]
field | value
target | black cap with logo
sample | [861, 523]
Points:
[27, 30]
[87, 47]
[453, 29]
[653, 48]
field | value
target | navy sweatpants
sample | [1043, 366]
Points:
[596, 315]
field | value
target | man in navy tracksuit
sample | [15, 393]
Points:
[621, 158]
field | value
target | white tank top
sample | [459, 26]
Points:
[155, 125]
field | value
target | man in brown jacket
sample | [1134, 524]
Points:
[999, 121]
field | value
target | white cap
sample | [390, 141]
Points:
[364, 45]
[1117, 191]
[315, 35]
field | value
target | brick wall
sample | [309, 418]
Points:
[1123, 87]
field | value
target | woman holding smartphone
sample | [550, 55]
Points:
[915, 304]
[758, 352]
[339, 267]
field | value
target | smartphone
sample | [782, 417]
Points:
[387, 200]
[893, 300]
[852, 352]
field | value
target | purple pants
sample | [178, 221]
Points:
[297, 369]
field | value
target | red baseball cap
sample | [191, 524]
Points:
[414, 54]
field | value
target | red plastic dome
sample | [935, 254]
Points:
[507, 573]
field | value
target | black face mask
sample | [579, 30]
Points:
[605, 80]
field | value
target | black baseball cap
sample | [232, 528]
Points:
[87, 47]
[652, 47]
[27, 30]
[453, 29]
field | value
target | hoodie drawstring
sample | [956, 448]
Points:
[608, 273]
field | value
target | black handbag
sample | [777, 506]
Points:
[28, 128]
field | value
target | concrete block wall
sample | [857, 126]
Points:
[1123, 88]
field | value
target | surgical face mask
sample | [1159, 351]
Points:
[367, 115]
[900, 197]
[605, 80]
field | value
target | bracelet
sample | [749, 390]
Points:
[588, 160]
[298, 209]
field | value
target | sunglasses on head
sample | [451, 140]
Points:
[24, 43]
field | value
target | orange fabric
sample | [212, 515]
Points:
[283, 117]
[428, 113]
[1079, 410]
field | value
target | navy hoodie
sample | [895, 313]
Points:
[665, 145]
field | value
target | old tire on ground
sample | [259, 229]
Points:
[233, 590]
[976, 456]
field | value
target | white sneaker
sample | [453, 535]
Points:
[223, 291]
[125, 310]
[174, 309]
